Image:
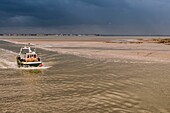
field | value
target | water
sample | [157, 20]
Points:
[75, 84]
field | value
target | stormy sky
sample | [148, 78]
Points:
[121, 17]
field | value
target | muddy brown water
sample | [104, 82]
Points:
[80, 85]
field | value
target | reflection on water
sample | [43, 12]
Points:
[80, 85]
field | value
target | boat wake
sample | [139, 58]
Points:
[4, 64]
[8, 61]
[34, 68]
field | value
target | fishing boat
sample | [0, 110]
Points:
[28, 58]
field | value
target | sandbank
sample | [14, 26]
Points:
[132, 48]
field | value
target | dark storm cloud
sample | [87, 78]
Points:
[60, 12]
[101, 16]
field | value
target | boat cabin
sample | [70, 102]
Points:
[27, 54]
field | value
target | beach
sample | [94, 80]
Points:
[87, 75]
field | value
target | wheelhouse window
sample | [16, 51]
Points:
[34, 56]
[24, 51]
[31, 55]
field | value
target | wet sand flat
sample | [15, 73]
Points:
[101, 48]
[81, 81]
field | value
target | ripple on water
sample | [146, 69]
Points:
[75, 85]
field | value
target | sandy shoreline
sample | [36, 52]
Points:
[103, 48]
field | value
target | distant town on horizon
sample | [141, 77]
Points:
[34, 34]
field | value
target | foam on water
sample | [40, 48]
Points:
[34, 68]
[7, 59]
[4, 64]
